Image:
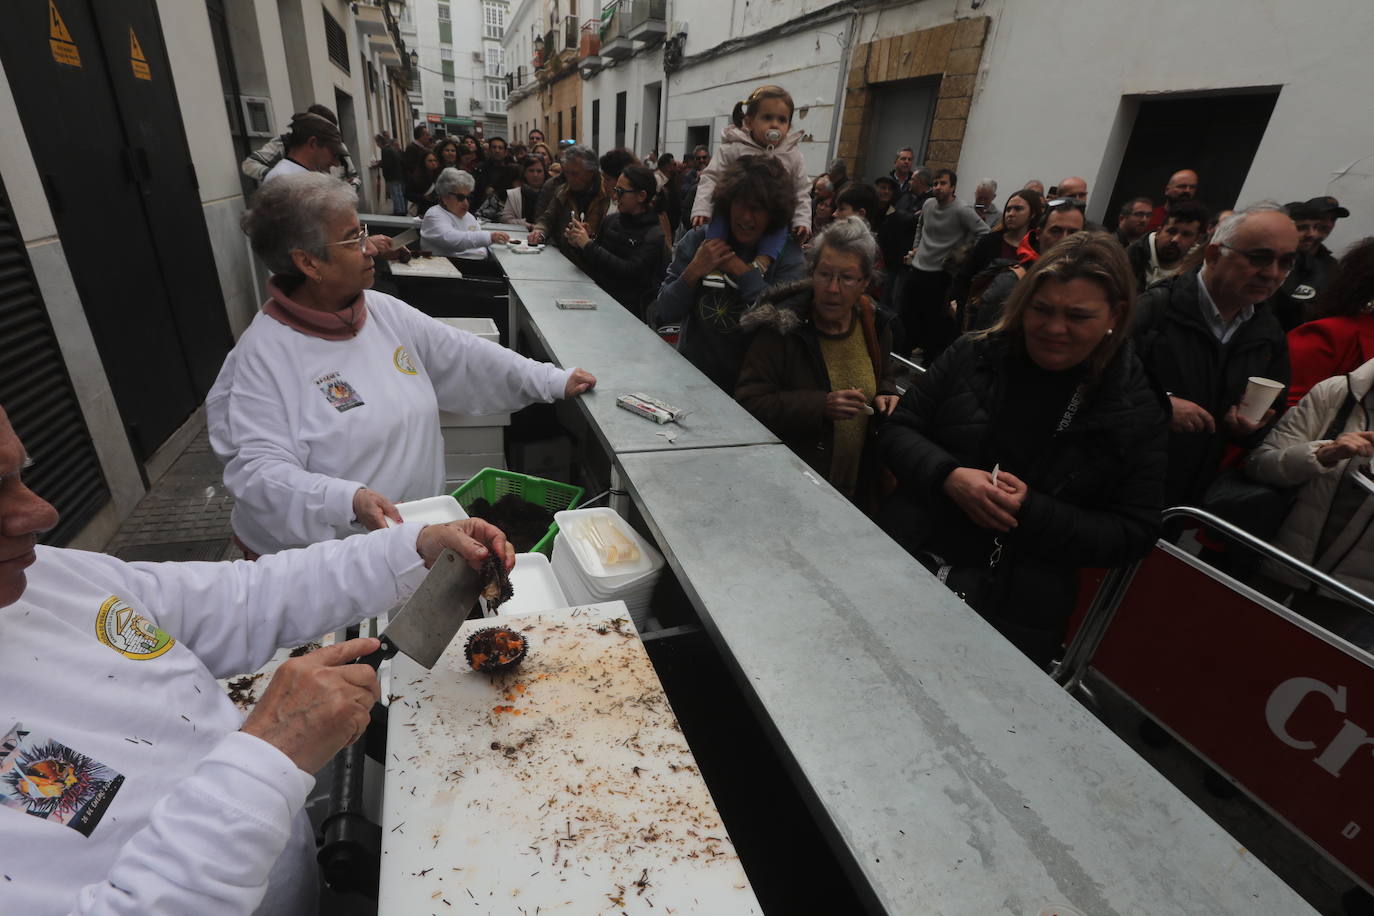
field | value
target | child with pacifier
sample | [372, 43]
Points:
[762, 127]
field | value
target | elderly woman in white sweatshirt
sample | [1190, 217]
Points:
[326, 413]
[1331, 525]
[449, 229]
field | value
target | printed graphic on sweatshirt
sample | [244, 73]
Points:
[47, 779]
[128, 633]
[342, 396]
[401, 358]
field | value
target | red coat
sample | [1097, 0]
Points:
[1326, 347]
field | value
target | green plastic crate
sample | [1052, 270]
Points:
[492, 483]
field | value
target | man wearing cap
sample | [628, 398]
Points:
[313, 144]
[261, 160]
[1330, 210]
[1182, 186]
[1312, 271]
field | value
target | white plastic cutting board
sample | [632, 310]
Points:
[507, 800]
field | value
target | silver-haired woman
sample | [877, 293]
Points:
[449, 229]
[326, 412]
[819, 369]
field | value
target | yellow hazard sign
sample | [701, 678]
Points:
[136, 58]
[60, 40]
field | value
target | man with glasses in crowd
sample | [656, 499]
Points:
[1133, 220]
[693, 166]
[1203, 335]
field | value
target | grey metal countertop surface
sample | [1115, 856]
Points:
[960, 779]
[549, 264]
[627, 357]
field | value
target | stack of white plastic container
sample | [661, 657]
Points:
[598, 557]
[472, 443]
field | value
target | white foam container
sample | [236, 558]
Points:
[585, 580]
[536, 588]
[432, 511]
[571, 520]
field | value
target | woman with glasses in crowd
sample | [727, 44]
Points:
[628, 255]
[449, 229]
[1033, 449]
[325, 413]
[819, 371]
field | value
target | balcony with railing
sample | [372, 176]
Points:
[616, 42]
[648, 19]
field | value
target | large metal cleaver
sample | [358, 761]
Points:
[426, 623]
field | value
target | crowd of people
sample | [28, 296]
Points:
[792, 292]
[1074, 381]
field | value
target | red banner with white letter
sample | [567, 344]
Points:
[1286, 713]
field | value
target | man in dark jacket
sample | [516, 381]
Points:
[393, 173]
[1314, 268]
[1202, 335]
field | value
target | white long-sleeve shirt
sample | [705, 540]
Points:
[108, 671]
[302, 423]
[453, 236]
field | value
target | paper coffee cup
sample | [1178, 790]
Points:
[1260, 394]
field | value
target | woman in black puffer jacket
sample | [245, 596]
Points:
[628, 256]
[1054, 398]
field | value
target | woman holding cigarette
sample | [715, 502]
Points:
[1054, 398]
[819, 371]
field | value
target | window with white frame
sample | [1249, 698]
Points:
[493, 20]
[450, 94]
[496, 97]
[495, 61]
[443, 12]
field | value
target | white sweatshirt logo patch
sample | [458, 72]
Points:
[342, 396]
[128, 633]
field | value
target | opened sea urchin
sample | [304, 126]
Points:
[496, 649]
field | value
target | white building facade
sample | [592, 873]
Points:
[1263, 106]
[461, 64]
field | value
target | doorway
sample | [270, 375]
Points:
[127, 206]
[653, 101]
[902, 112]
[1216, 135]
[697, 135]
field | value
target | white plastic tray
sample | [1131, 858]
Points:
[432, 511]
[536, 588]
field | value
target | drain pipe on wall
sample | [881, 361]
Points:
[846, 54]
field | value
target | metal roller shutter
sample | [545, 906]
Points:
[37, 393]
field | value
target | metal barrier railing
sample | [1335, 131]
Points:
[1070, 670]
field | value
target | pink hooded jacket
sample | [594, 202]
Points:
[735, 144]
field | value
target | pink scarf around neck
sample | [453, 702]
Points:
[344, 324]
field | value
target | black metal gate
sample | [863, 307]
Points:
[37, 393]
[95, 94]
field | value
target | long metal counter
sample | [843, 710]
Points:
[951, 775]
